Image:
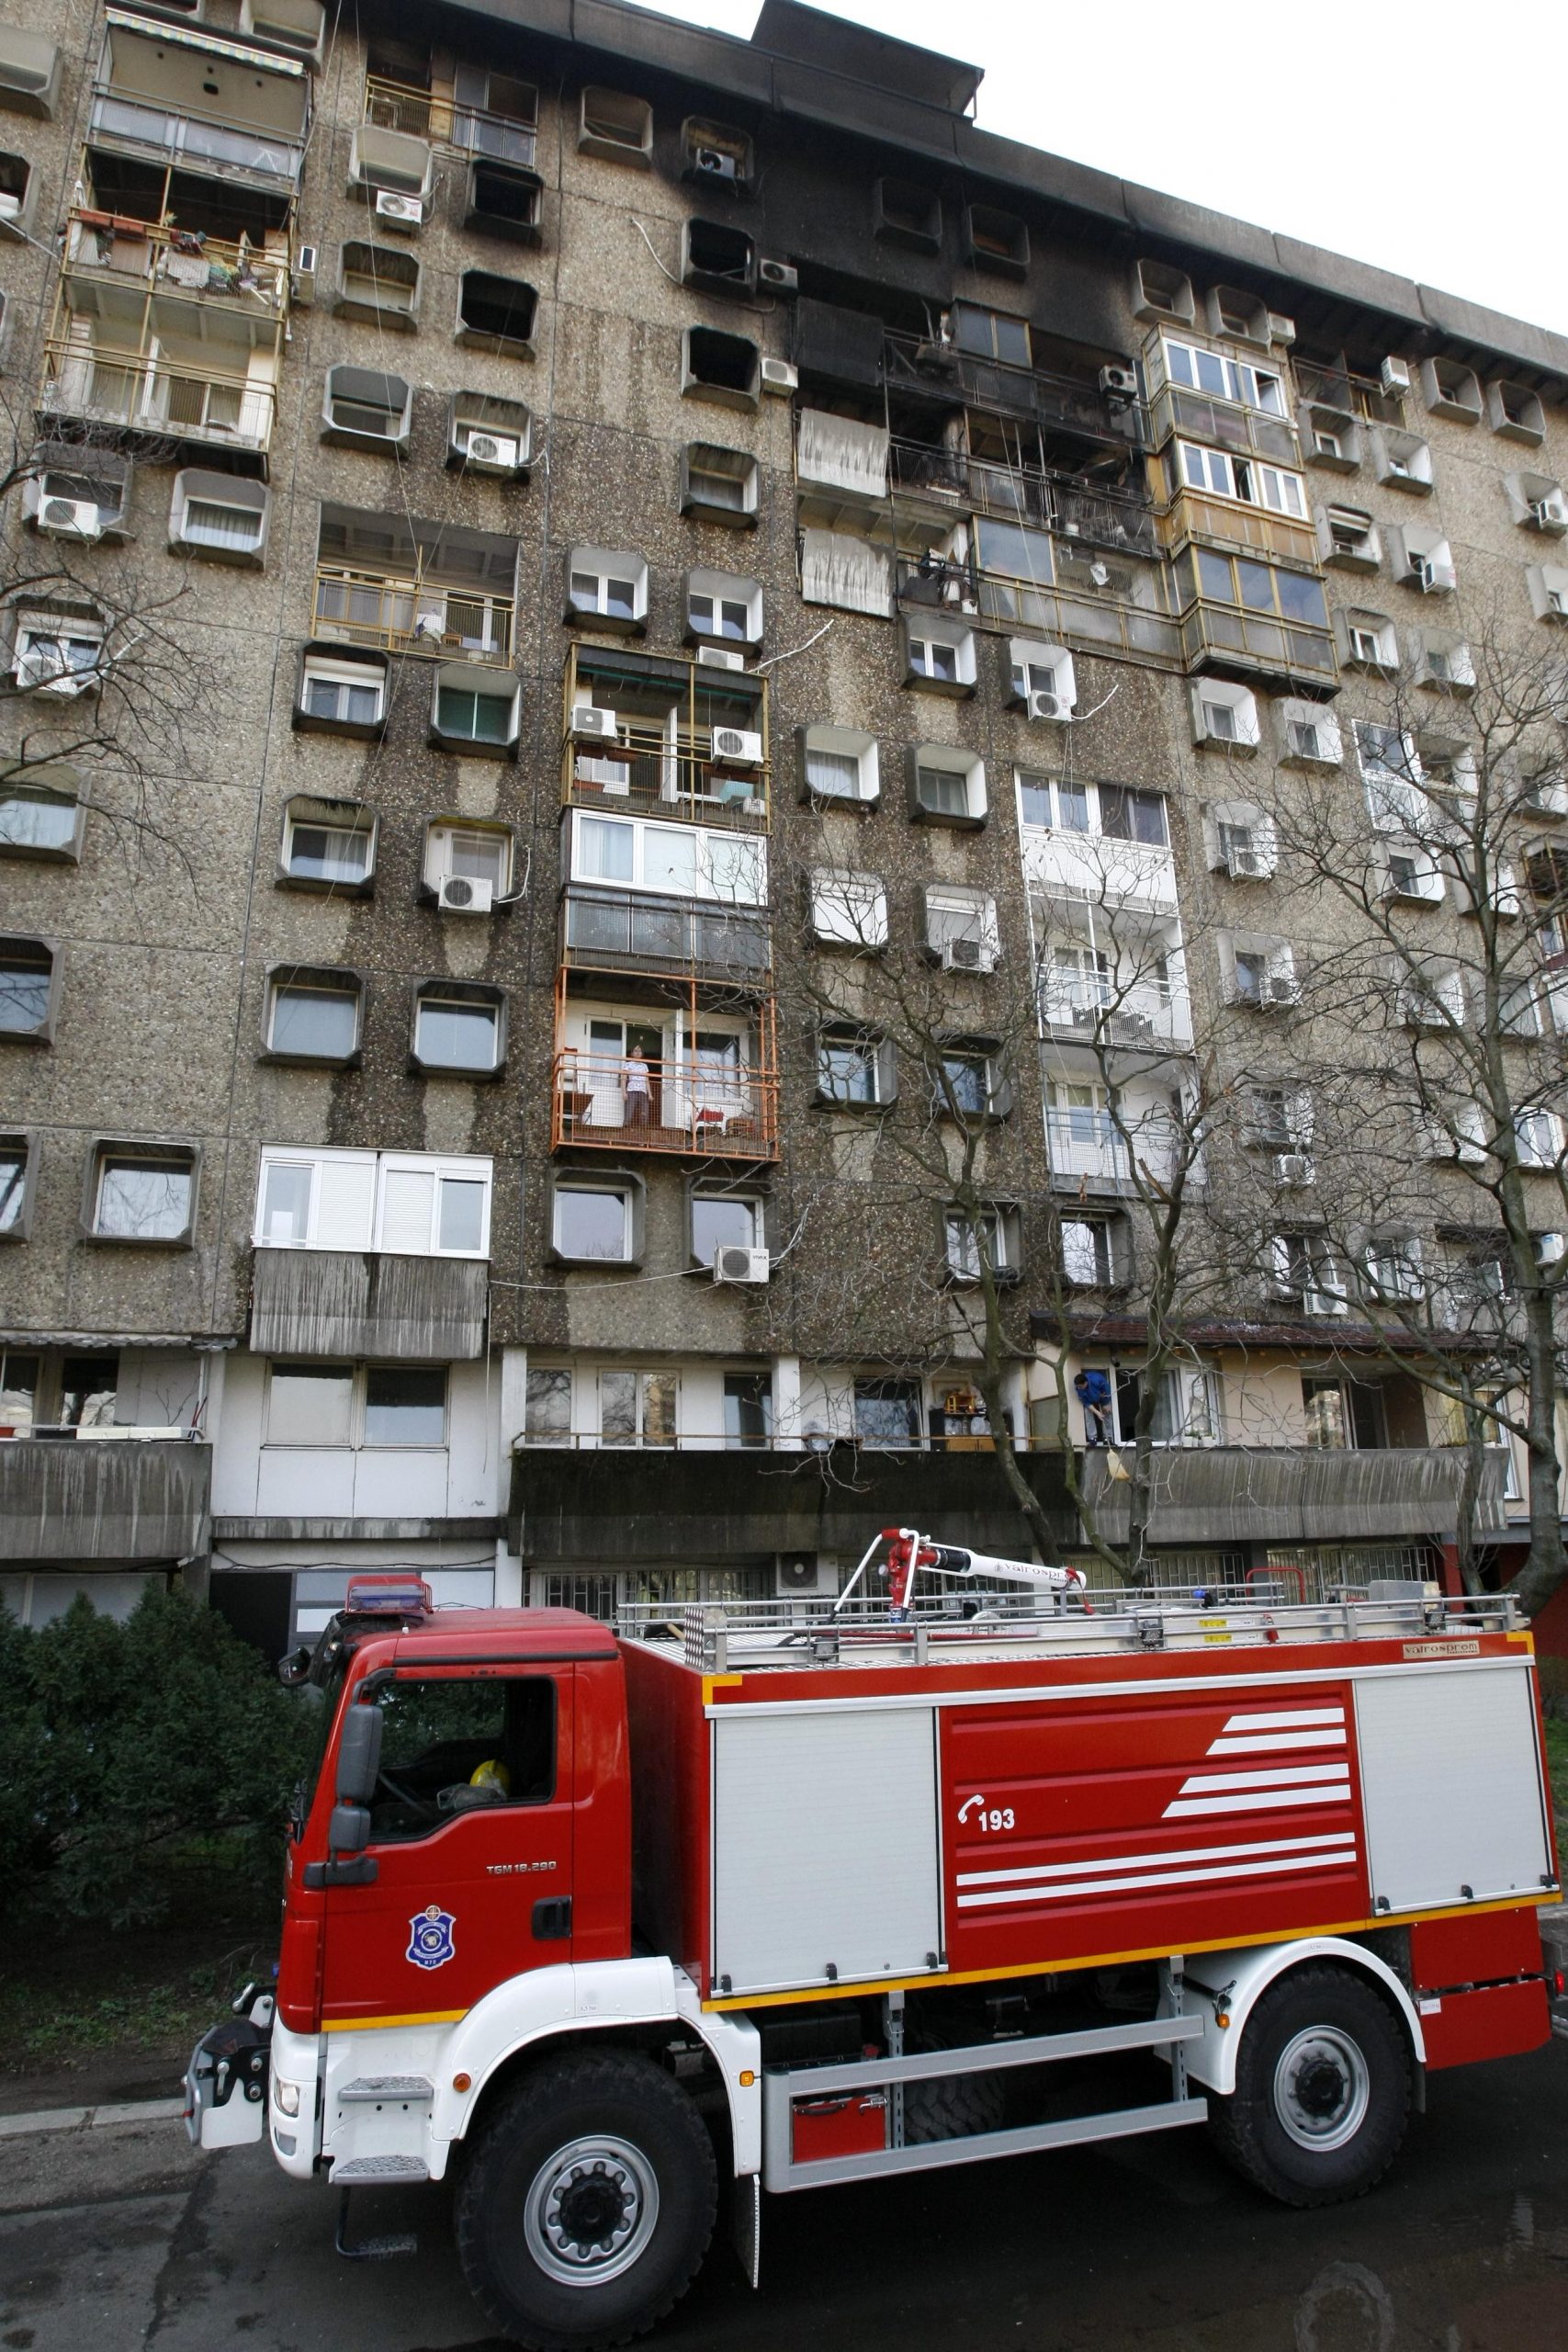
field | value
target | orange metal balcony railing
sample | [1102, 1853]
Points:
[413, 616]
[657, 772]
[715, 1109]
[436, 115]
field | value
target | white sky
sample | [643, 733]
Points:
[1422, 140]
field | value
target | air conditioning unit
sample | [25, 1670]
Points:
[1394, 376]
[34, 673]
[491, 449]
[780, 376]
[733, 1264]
[1292, 1169]
[714, 164]
[798, 1572]
[403, 212]
[464, 894]
[1549, 514]
[1247, 866]
[780, 276]
[599, 726]
[1551, 1249]
[304, 281]
[1119, 383]
[71, 518]
[737, 747]
[1424, 573]
[1045, 706]
[719, 656]
[1322, 1302]
[966, 956]
[1280, 988]
[1281, 330]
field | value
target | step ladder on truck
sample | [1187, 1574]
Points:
[804, 1892]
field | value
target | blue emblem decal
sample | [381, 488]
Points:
[430, 1937]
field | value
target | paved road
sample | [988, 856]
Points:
[121, 2238]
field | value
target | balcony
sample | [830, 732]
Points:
[627, 931]
[132, 1499]
[1089, 1153]
[1361, 396]
[659, 759]
[201, 103]
[1212, 1495]
[939, 371]
[950, 482]
[413, 616]
[723, 1111]
[1228, 522]
[352, 1303]
[437, 115]
[1147, 1016]
[1092, 869]
[1223, 425]
[140, 387]
[1225, 639]
[1058, 588]
[182, 265]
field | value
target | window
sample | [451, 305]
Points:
[470, 715]
[1402, 460]
[1539, 1135]
[718, 485]
[961, 927]
[20, 1376]
[608, 585]
[89, 1386]
[1392, 1265]
[1452, 391]
[839, 764]
[1413, 877]
[1536, 501]
[1186, 1408]
[1514, 411]
[1262, 975]
[685, 860]
[1092, 1255]
[142, 1193]
[1226, 716]
[1057, 803]
[476, 853]
[294, 24]
[1223, 378]
[721, 367]
[1280, 1118]
[939, 654]
[1161, 293]
[1447, 663]
[489, 436]
[1310, 734]
[328, 844]
[219, 515]
[1243, 840]
[714, 154]
[1039, 676]
[405, 1405]
[1434, 998]
[349, 698]
[948, 788]
[394, 162]
[887, 1412]
[617, 126]
[1548, 585]
[1304, 1268]
[377, 283]
[968, 1084]
[1367, 641]
[723, 1221]
[838, 569]
[458, 1027]
[997, 242]
[1127, 814]
[906, 213]
[748, 1408]
[717, 258]
[59, 655]
[310, 1404]
[854, 1069]
[547, 1411]
[409, 1204]
[1425, 561]
[365, 409]
[496, 313]
[438, 1733]
[988, 1243]
[16, 1160]
[638, 1409]
[1391, 774]
[593, 1223]
[1246, 479]
[26, 988]
[848, 910]
[504, 202]
[1348, 537]
[721, 606]
[1262, 589]
[313, 1016]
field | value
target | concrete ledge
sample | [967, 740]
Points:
[90, 2118]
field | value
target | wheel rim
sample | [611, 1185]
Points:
[591, 2211]
[1322, 2088]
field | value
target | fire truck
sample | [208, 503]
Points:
[798, 1894]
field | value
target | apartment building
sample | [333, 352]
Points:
[605, 622]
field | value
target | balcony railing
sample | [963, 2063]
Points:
[1092, 869]
[209, 145]
[1107, 518]
[655, 772]
[1258, 530]
[1088, 1143]
[941, 371]
[1357, 395]
[619, 931]
[178, 261]
[1102, 1012]
[414, 616]
[141, 392]
[1224, 424]
[1095, 619]
[1216, 636]
[716, 1109]
[435, 115]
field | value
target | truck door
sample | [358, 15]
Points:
[471, 1842]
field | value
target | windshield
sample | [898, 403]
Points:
[318, 1696]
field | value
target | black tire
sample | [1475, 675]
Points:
[535, 2201]
[956, 2106]
[1322, 2089]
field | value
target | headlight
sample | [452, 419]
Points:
[286, 2098]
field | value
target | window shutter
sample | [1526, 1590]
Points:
[408, 1200]
[345, 1200]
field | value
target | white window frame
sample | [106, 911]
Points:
[441, 1166]
[356, 1442]
[487, 686]
[1304, 1266]
[716, 852]
[848, 744]
[1248, 482]
[1242, 381]
[1027, 656]
[337, 670]
[999, 1222]
[971, 770]
[1294, 714]
[716, 588]
[603, 565]
[69, 629]
[575, 1183]
[926, 638]
[848, 910]
[973, 914]
[1225, 693]
[443, 834]
[297, 815]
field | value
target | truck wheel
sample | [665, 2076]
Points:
[957, 2107]
[1322, 2089]
[587, 2202]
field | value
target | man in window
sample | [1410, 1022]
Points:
[1093, 1392]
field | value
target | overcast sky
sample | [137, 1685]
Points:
[1422, 140]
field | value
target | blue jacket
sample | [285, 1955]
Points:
[1095, 1389]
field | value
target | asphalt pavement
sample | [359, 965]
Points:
[120, 2237]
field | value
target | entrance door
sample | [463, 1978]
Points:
[471, 1836]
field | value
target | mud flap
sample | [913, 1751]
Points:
[746, 2223]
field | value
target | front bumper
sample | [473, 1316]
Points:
[226, 2084]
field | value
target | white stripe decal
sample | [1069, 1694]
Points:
[1259, 1801]
[1171, 1877]
[1273, 1776]
[1289, 1719]
[1265, 1743]
[1137, 1862]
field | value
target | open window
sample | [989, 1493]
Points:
[847, 909]
[1410, 876]
[960, 927]
[1332, 437]
[617, 126]
[42, 813]
[1515, 412]
[1162, 296]
[1309, 734]
[313, 1015]
[947, 787]
[377, 284]
[838, 767]
[342, 694]
[996, 242]
[718, 485]
[477, 858]
[1367, 640]
[59, 653]
[459, 1030]
[716, 156]
[1225, 716]
[1452, 390]
[969, 1081]
[608, 587]
[328, 846]
[906, 213]
[221, 517]
[725, 368]
[1303, 1269]
[1259, 972]
[1238, 316]
[718, 259]
[1347, 539]
[1536, 501]
[721, 1219]
[504, 200]
[723, 609]
[938, 654]
[1097, 1249]
[1425, 560]
[141, 1193]
[1445, 662]
[856, 1069]
[486, 434]
[30, 990]
[475, 713]
[365, 409]
[991, 1241]
[496, 314]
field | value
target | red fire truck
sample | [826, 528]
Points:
[801, 1894]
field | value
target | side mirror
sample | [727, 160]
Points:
[359, 1754]
[349, 1829]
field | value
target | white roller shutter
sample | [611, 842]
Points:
[1451, 1789]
